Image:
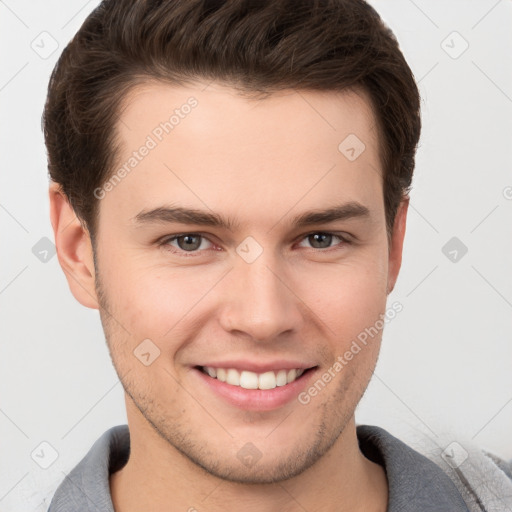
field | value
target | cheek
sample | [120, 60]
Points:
[151, 301]
[347, 296]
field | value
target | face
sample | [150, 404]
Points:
[247, 241]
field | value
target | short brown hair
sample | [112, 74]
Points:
[257, 46]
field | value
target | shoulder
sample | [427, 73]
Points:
[414, 481]
[483, 480]
[86, 487]
[505, 466]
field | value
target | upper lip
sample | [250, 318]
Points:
[259, 367]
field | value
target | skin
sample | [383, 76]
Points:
[259, 163]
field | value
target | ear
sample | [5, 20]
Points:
[74, 248]
[396, 244]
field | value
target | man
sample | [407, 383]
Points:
[230, 189]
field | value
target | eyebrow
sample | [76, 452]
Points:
[164, 214]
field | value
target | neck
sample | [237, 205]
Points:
[158, 477]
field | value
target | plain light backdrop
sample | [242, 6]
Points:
[446, 359]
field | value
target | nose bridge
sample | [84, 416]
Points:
[259, 303]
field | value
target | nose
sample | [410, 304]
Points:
[259, 301]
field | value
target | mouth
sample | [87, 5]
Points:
[251, 380]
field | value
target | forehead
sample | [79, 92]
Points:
[284, 113]
[203, 145]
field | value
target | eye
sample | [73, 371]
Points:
[194, 243]
[187, 242]
[322, 240]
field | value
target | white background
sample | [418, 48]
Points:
[446, 360]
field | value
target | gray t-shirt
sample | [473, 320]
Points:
[415, 483]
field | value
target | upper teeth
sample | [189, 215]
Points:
[251, 380]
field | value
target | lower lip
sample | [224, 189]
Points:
[257, 399]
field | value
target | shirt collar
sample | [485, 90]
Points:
[415, 482]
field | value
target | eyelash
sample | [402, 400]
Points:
[165, 242]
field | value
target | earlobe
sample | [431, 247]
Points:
[396, 244]
[74, 248]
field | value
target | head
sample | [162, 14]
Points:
[239, 123]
